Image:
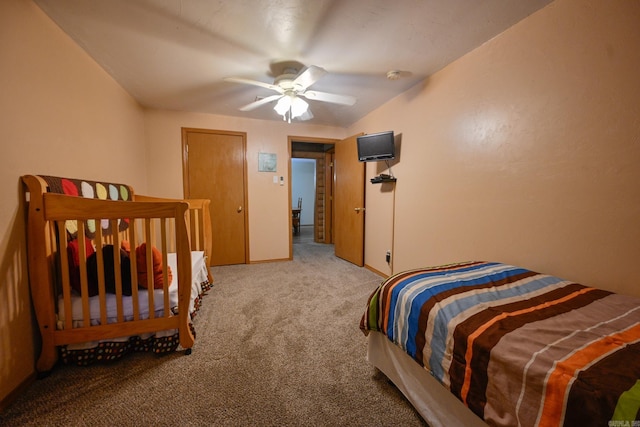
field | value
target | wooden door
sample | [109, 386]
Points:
[214, 168]
[349, 202]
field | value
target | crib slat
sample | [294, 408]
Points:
[84, 286]
[165, 267]
[64, 264]
[196, 231]
[102, 287]
[117, 271]
[172, 233]
[102, 292]
[135, 300]
[149, 261]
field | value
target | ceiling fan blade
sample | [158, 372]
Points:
[254, 83]
[309, 76]
[258, 103]
[329, 97]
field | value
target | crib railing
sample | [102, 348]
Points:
[198, 223]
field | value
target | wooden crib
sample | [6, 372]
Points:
[108, 265]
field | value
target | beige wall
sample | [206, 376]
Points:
[269, 209]
[60, 114]
[524, 151]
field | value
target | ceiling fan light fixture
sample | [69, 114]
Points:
[283, 105]
[298, 107]
[290, 107]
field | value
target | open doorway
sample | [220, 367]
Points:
[303, 198]
[319, 205]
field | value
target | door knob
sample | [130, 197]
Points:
[239, 208]
[358, 209]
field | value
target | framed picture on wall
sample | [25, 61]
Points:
[267, 162]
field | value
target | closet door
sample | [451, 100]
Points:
[214, 167]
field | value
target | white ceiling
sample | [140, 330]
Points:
[174, 54]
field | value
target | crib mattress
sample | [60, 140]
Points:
[199, 276]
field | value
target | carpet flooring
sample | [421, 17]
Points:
[277, 344]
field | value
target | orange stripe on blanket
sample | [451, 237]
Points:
[558, 382]
[466, 385]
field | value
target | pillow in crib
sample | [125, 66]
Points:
[141, 263]
[109, 271]
[73, 255]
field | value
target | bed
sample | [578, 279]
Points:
[110, 271]
[480, 343]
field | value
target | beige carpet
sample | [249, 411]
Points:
[277, 344]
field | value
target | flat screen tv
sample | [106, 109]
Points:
[376, 146]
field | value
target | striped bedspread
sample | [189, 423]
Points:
[515, 346]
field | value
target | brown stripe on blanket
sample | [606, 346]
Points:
[601, 382]
[427, 306]
[533, 348]
[477, 382]
[576, 328]
[493, 334]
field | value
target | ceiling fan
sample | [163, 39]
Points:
[292, 82]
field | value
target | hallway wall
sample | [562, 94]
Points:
[303, 184]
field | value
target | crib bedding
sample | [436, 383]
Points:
[158, 342]
[200, 283]
[515, 346]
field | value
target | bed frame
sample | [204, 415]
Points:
[59, 209]
[435, 404]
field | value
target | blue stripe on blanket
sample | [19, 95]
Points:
[405, 298]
